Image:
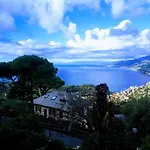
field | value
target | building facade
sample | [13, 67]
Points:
[54, 104]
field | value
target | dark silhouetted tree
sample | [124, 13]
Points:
[31, 77]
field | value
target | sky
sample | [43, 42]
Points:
[75, 31]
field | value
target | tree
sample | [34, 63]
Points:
[102, 108]
[23, 130]
[95, 141]
[146, 144]
[15, 107]
[21, 139]
[56, 144]
[138, 113]
[32, 76]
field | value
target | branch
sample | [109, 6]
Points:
[36, 93]
[13, 80]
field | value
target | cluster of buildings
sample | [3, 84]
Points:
[132, 92]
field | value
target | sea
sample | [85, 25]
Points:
[117, 79]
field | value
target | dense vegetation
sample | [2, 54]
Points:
[119, 134]
[32, 76]
[21, 131]
[85, 88]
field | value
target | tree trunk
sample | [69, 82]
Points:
[31, 106]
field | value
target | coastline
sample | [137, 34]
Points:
[136, 70]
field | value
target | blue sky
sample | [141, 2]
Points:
[73, 31]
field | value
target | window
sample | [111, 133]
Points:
[46, 96]
[36, 108]
[54, 97]
[45, 112]
[39, 109]
[62, 100]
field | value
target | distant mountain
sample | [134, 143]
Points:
[141, 64]
[145, 68]
[129, 63]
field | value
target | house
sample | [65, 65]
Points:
[60, 104]
[54, 104]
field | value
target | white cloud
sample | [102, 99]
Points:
[32, 44]
[69, 31]
[53, 43]
[116, 37]
[60, 60]
[6, 21]
[48, 14]
[123, 25]
[130, 7]
[118, 7]
[27, 42]
[110, 44]
[84, 3]
[119, 37]
[144, 37]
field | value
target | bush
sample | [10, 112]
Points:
[141, 108]
[18, 107]
[127, 108]
[56, 145]
[95, 142]
[146, 144]
[138, 112]
[28, 122]
[21, 139]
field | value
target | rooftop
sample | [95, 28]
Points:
[55, 99]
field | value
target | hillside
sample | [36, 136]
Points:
[129, 63]
[141, 64]
[132, 92]
[145, 68]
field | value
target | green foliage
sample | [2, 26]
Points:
[141, 108]
[22, 131]
[28, 122]
[94, 142]
[146, 144]
[32, 76]
[6, 70]
[21, 139]
[85, 88]
[138, 112]
[18, 107]
[127, 108]
[116, 135]
[56, 145]
[116, 125]
[119, 133]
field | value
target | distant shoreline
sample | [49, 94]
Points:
[101, 66]
[136, 70]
